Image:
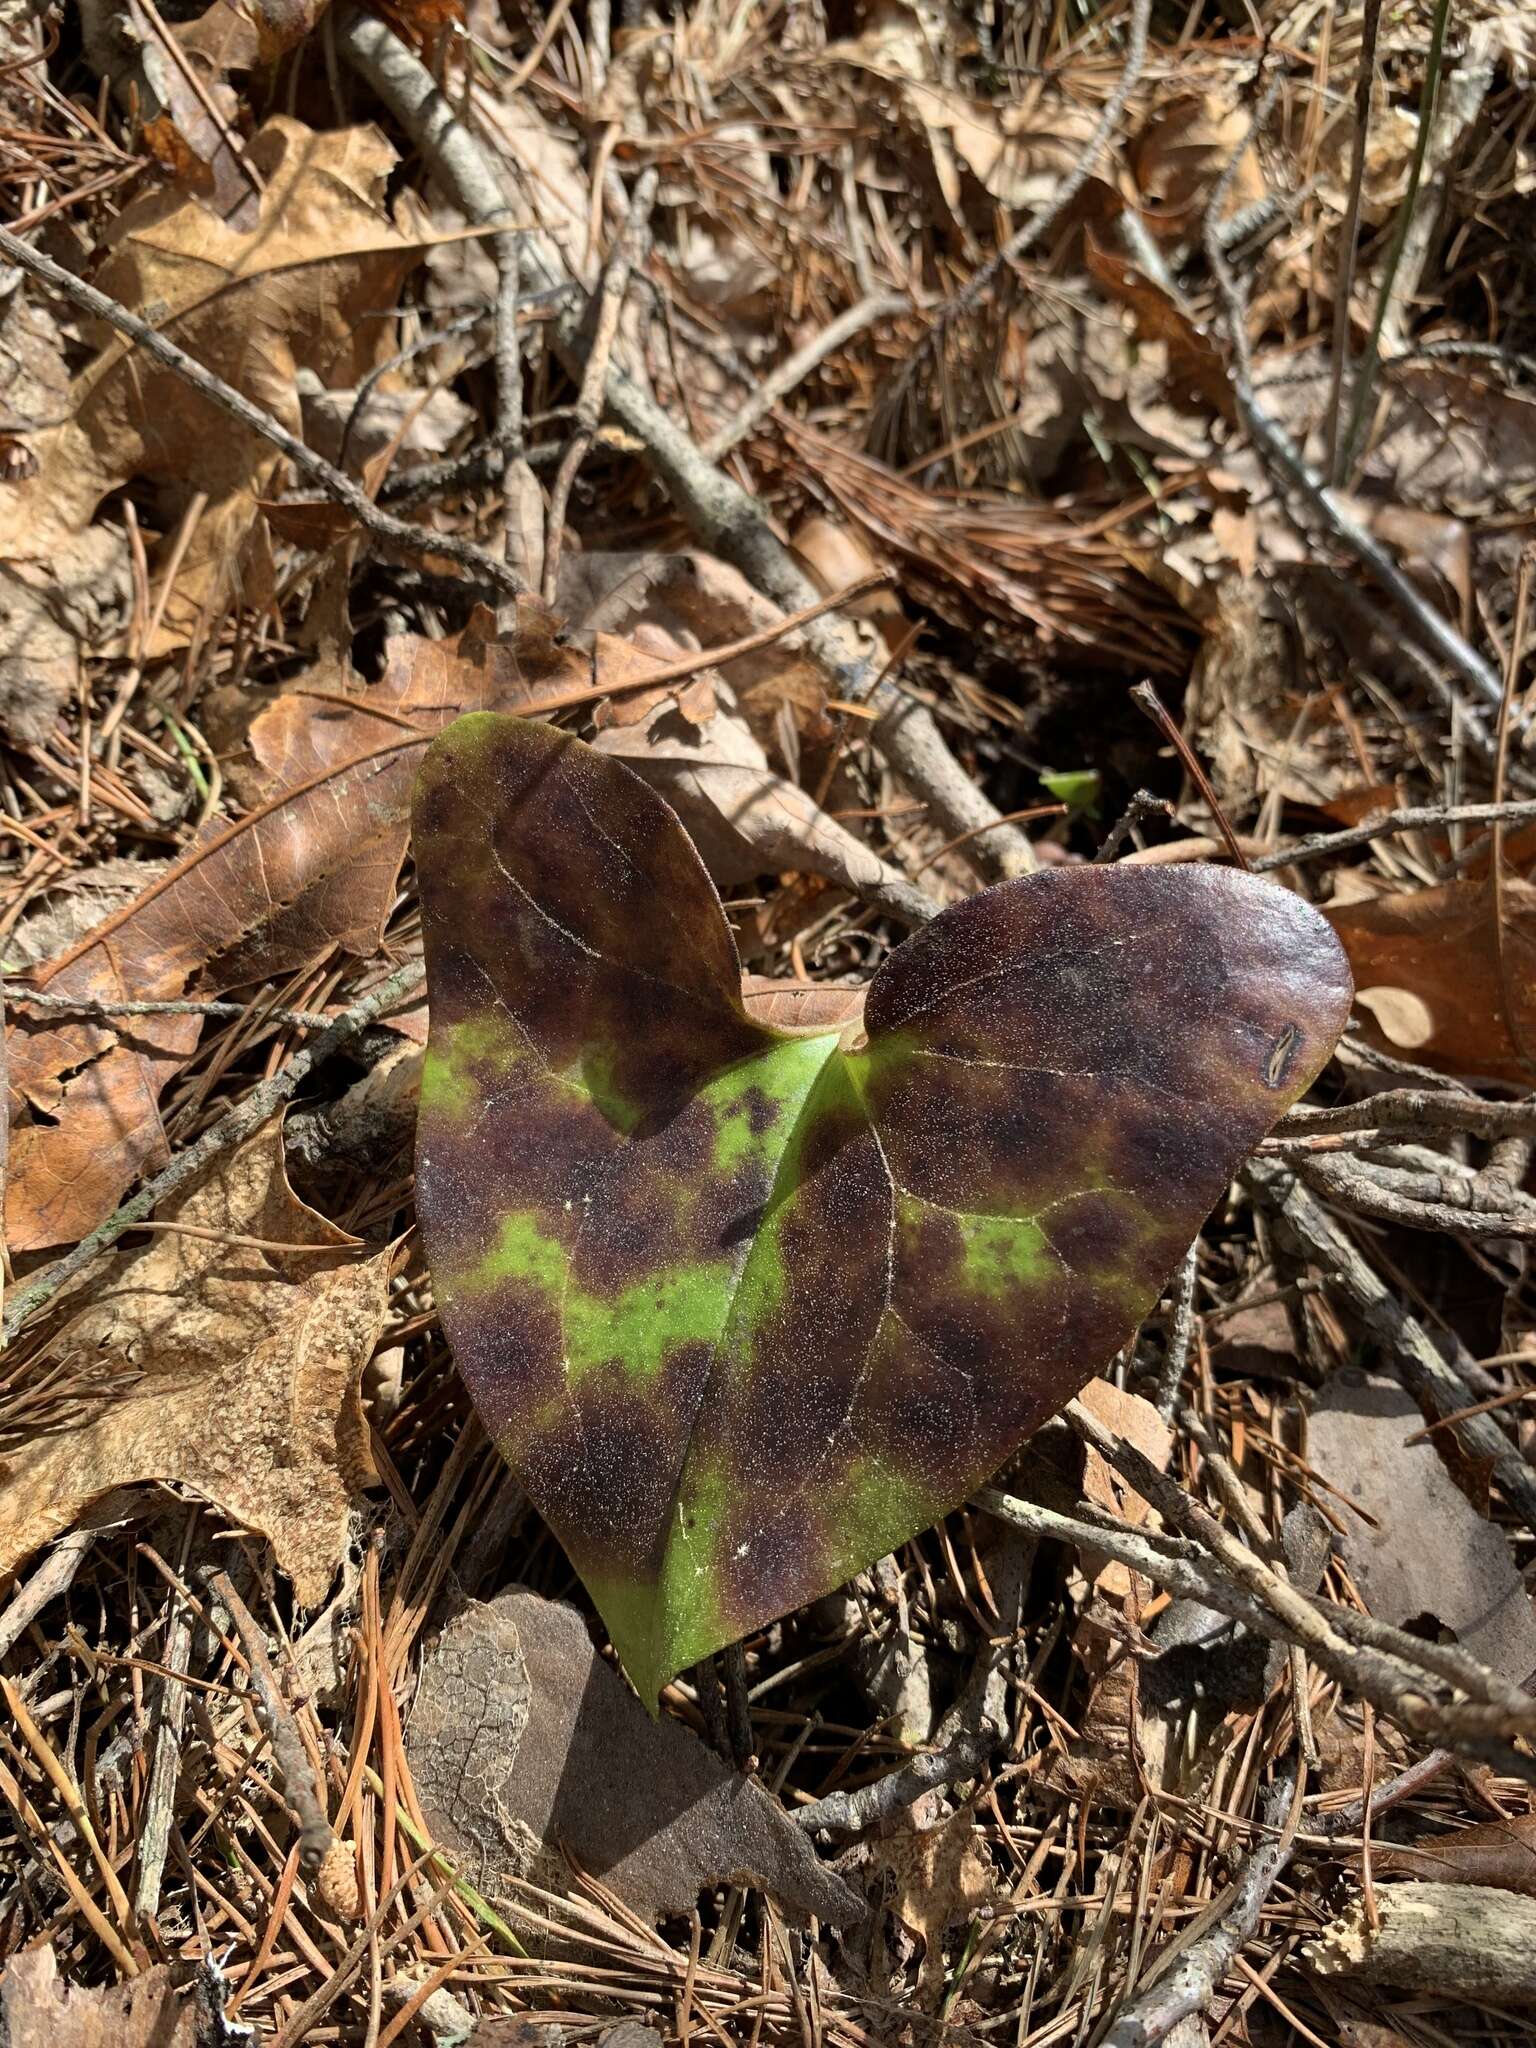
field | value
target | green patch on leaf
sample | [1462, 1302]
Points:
[744, 1308]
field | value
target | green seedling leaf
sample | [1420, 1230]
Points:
[1077, 788]
[746, 1308]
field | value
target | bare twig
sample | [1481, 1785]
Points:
[797, 367]
[1461, 1206]
[1023, 239]
[1187, 1979]
[89, 1006]
[1181, 1330]
[1291, 473]
[1425, 1372]
[521, 500]
[1386, 824]
[384, 526]
[605, 306]
[241, 1123]
[848, 1813]
[720, 513]
[1349, 233]
[288, 1751]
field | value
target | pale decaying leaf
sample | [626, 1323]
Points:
[744, 819]
[1418, 1551]
[168, 2006]
[932, 1878]
[255, 308]
[524, 1744]
[213, 1365]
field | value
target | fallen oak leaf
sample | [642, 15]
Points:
[1439, 981]
[932, 1877]
[209, 1363]
[170, 2005]
[301, 292]
[1417, 1549]
[745, 1310]
[314, 864]
[1494, 1852]
[513, 1742]
[745, 820]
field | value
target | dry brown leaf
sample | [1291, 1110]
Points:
[1496, 1852]
[524, 1744]
[1438, 981]
[698, 601]
[933, 1877]
[1139, 1423]
[168, 2006]
[256, 308]
[317, 870]
[744, 819]
[1180, 155]
[209, 1364]
[1425, 1552]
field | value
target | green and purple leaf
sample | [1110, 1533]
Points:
[746, 1308]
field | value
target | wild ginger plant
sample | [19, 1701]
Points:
[743, 1307]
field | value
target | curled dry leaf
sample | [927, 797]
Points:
[302, 292]
[1496, 1852]
[1441, 981]
[513, 1744]
[930, 1878]
[746, 1310]
[207, 1363]
[744, 819]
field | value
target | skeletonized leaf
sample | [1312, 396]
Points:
[746, 1309]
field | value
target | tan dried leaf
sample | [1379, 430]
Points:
[160, 2009]
[302, 292]
[934, 1876]
[744, 819]
[317, 868]
[211, 1364]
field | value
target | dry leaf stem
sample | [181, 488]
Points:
[1186, 1978]
[292, 1759]
[1291, 474]
[603, 309]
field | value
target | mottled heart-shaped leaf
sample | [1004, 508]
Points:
[747, 1308]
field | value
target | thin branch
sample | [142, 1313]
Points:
[1190, 1981]
[288, 1751]
[797, 367]
[605, 307]
[384, 526]
[241, 1123]
[724, 517]
[1044, 217]
[1425, 1372]
[1387, 824]
[849, 1813]
[1290, 472]
[1349, 233]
